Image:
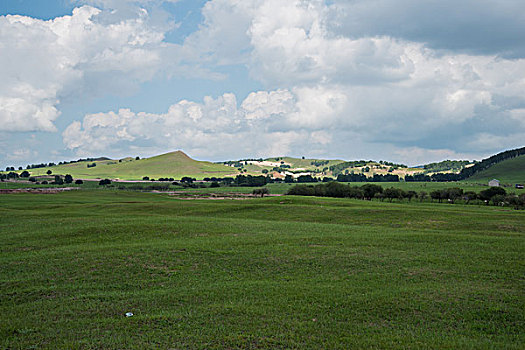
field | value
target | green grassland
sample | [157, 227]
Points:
[175, 164]
[283, 272]
[274, 188]
[508, 171]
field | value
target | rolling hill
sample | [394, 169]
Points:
[174, 164]
[508, 171]
[508, 167]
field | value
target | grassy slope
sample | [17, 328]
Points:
[508, 171]
[269, 273]
[306, 163]
[177, 164]
[174, 164]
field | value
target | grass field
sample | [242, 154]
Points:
[510, 171]
[175, 164]
[283, 272]
[274, 188]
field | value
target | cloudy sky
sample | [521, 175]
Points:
[402, 80]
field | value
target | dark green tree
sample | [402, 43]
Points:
[58, 180]
[104, 182]
[68, 179]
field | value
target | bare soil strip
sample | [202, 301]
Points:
[50, 190]
[229, 195]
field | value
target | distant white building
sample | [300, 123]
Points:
[494, 183]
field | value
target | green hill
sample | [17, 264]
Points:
[508, 171]
[174, 164]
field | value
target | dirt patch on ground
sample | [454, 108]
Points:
[37, 190]
[230, 195]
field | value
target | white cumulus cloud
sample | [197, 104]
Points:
[45, 62]
[212, 128]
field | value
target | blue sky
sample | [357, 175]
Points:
[405, 81]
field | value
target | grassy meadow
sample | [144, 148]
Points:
[280, 272]
[511, 171]
[174, 164]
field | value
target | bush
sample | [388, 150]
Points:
[454, 193]
[515, 201]
[32, 179]
[68, 179]
[393, 193]
[261, 191]
[215, 184]
[79, 182]
[487, 194]
[104, 182]
[498, 199]
[469, 196]
[337, 190]
[370, 190]
[302, 190]
[157, 187]
[58, 180]
[410, 195]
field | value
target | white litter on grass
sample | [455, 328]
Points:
[129, 314]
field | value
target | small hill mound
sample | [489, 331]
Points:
[170, 165]
[508, 171]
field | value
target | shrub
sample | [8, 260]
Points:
[302, 190]
[337, 190]
[487, 194]
[393, 193]
[452, 194]
[498, 199]
[58, 180]
[104, 182]
[355, 192]
[261, 191]
[410, 195]
[514, 201]
[370, 190]
[79, 182]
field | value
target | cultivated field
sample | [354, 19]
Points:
[283, 272]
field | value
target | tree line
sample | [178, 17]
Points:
[493, 195]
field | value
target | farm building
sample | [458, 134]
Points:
[494, 183]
